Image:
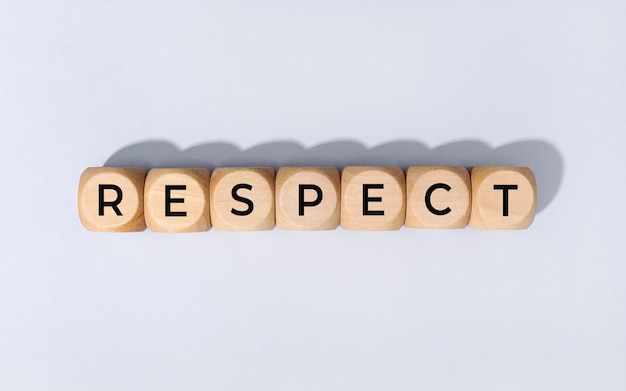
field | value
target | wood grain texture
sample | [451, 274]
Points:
[111, 199]
[503, 197]
[307, 198]
[438, 197]
[177, 200]
[372, 198]
[242, 199]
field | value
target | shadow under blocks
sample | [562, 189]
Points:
[540, 156]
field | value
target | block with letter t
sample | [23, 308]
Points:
[503, 197]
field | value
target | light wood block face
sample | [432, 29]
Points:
[177, 199]
[307, 198]
[111, 199]
[438, 197]
[503, 197]
[242, 199]
[372, 198]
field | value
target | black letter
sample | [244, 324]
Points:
[429, 192]
[505, 196]
[169, 200]
[112, 204]
[367, 199]
[301, 201]
[242, 199]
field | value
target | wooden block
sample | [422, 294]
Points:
[372, 198]
[438, 197]
[307, 198]
[177, 199]
[111, 199]
[503, 197]
[242, 199]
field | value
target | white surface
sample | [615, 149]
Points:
[542, 309]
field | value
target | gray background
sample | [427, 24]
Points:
[155, 83]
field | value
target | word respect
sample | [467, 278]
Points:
[306, 198]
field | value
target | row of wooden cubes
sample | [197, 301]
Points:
[306, 198]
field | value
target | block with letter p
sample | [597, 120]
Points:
[307, 198]
[110, 199]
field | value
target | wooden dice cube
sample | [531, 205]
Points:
[503, 197]
[177, 199]
[307, 198]
[372, 198]
[242, 199]
[438, 197]
[111, 199]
